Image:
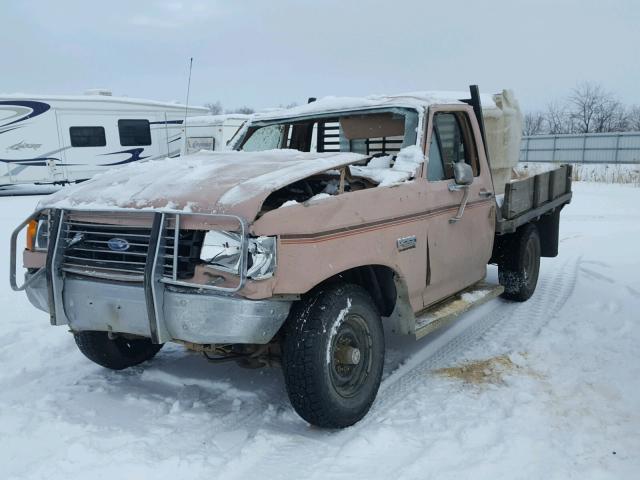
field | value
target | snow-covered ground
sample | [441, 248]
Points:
[628, 173]
[545, 389]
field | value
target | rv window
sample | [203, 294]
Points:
[134, 132]
[87, 136]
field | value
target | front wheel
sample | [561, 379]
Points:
[333, 354]
[115, 353]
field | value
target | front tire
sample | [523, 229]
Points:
[117, 353]
[518, 272]
[333, 355]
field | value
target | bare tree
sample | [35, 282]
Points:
[246, 110]
[533, 124]
[214, 108]
[583, 103]
[558, 121]
[595, 110]
[616, 121]
[633, 119]
[589, 109]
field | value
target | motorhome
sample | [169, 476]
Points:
[53, 140]
[211, 132]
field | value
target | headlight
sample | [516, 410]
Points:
[262, 257]
[42, 234]
[222, 250]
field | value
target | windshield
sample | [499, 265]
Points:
[374, 132]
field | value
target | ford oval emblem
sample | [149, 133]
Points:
[118, 244]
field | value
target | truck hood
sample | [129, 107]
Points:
[206, 182]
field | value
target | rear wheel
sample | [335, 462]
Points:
[333, 354]
[115, 353]
[518, 271]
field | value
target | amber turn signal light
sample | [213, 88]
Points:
[32, 229]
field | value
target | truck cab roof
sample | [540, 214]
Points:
[415, 100]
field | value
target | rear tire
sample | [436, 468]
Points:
[332, 355]
[118, 353]
[520, 266]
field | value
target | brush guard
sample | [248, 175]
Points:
[156, 276]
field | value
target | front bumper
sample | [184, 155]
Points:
[190, 316]
[161, 306]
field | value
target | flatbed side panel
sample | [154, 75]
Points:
[558, 181]
[541, 189]
[569, 177]
[518, 197]
[543, 193]
[509, 226]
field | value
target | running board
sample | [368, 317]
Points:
[444, 312]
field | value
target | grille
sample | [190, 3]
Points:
[120, 252]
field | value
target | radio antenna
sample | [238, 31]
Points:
[186, 103]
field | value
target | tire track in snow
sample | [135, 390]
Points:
[543, 307]
[503, 326]
[494, 326]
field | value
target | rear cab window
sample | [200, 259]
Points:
[376, 132]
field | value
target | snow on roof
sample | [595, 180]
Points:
[411, 100]
[205, 120]
[96, 98]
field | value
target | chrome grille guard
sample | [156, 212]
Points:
[155, 275]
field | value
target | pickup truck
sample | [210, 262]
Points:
[328, 221]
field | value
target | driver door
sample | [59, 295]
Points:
[457, 251]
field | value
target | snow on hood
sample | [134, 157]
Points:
[206, 182]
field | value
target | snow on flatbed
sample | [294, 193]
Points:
[543, 389]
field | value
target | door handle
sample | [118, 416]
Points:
[485, 194]
[463, 203]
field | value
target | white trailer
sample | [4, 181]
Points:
[211, 132]
[53, 140]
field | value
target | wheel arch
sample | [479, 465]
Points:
[388, 289]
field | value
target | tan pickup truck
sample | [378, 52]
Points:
[330, 220]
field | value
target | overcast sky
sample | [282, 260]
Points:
[271, 52]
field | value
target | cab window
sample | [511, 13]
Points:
[264, 138]
[382, 133]
[451, 142]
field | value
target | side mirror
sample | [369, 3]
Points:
[463, 173]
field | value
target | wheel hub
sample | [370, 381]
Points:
[347, 355]
[350, 356]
